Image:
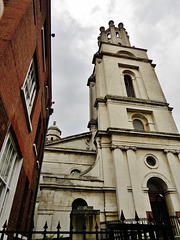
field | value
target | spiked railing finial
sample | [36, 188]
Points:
[136, 217]
[122, 218]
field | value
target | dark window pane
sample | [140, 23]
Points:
[79, 202]
[138, 125]
[129, 86]
[151, 161]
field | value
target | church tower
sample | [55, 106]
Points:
[129, 160]
[133, 124]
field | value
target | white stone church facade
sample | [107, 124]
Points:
[130, 158]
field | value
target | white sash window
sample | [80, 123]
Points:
[10, 165]
[29, 90]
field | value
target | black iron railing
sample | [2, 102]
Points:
[112, 230]
[175, 223]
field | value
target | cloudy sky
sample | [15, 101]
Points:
[151, 24]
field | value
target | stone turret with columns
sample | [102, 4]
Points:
[114, 35]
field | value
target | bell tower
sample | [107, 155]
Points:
[138, 142]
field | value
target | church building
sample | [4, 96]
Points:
[129, 160]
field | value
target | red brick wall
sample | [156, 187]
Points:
[4, 122]
[20, 38]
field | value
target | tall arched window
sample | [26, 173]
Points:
[138, 125]
[129, 86]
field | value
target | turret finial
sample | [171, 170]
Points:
[111, 23]
[114, 35]
[120, 25]
[102, 29]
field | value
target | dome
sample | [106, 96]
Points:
[54, 127]
[53, 133]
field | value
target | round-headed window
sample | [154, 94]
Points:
[138, 125]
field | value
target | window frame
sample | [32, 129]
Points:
[44, 46]
[156, 161]
[129, 86]
[10, 183]
[141, 122]
[141, 117]
[29, 90]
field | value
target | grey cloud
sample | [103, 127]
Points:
[70, 74]
[151, 25]
[151, 11]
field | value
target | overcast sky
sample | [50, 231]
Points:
[151, 24]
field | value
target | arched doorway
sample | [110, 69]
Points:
[158, 201]
[79, 202]
[83, 215]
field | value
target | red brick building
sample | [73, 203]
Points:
[25, 105]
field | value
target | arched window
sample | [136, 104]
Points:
[129, 86]
[138, 125]
[79, 202]
[109, 36]
[125, 53]
[140, 121]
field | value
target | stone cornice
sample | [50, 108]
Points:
[134, 133]
[91, 79]
[76, 188]
[92, 122]
[129, 99]
[100, 55]
[121, 46]
[128, 66]
[144, 133]
[70, 150]
[69, 138]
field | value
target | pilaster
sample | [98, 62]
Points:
[130, 174]
[173, 158]
[138, 196]
[120, 181]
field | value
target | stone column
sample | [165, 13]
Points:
[173, 158]
[120, 176]
[138, 195]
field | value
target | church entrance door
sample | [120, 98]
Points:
[158, 202]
